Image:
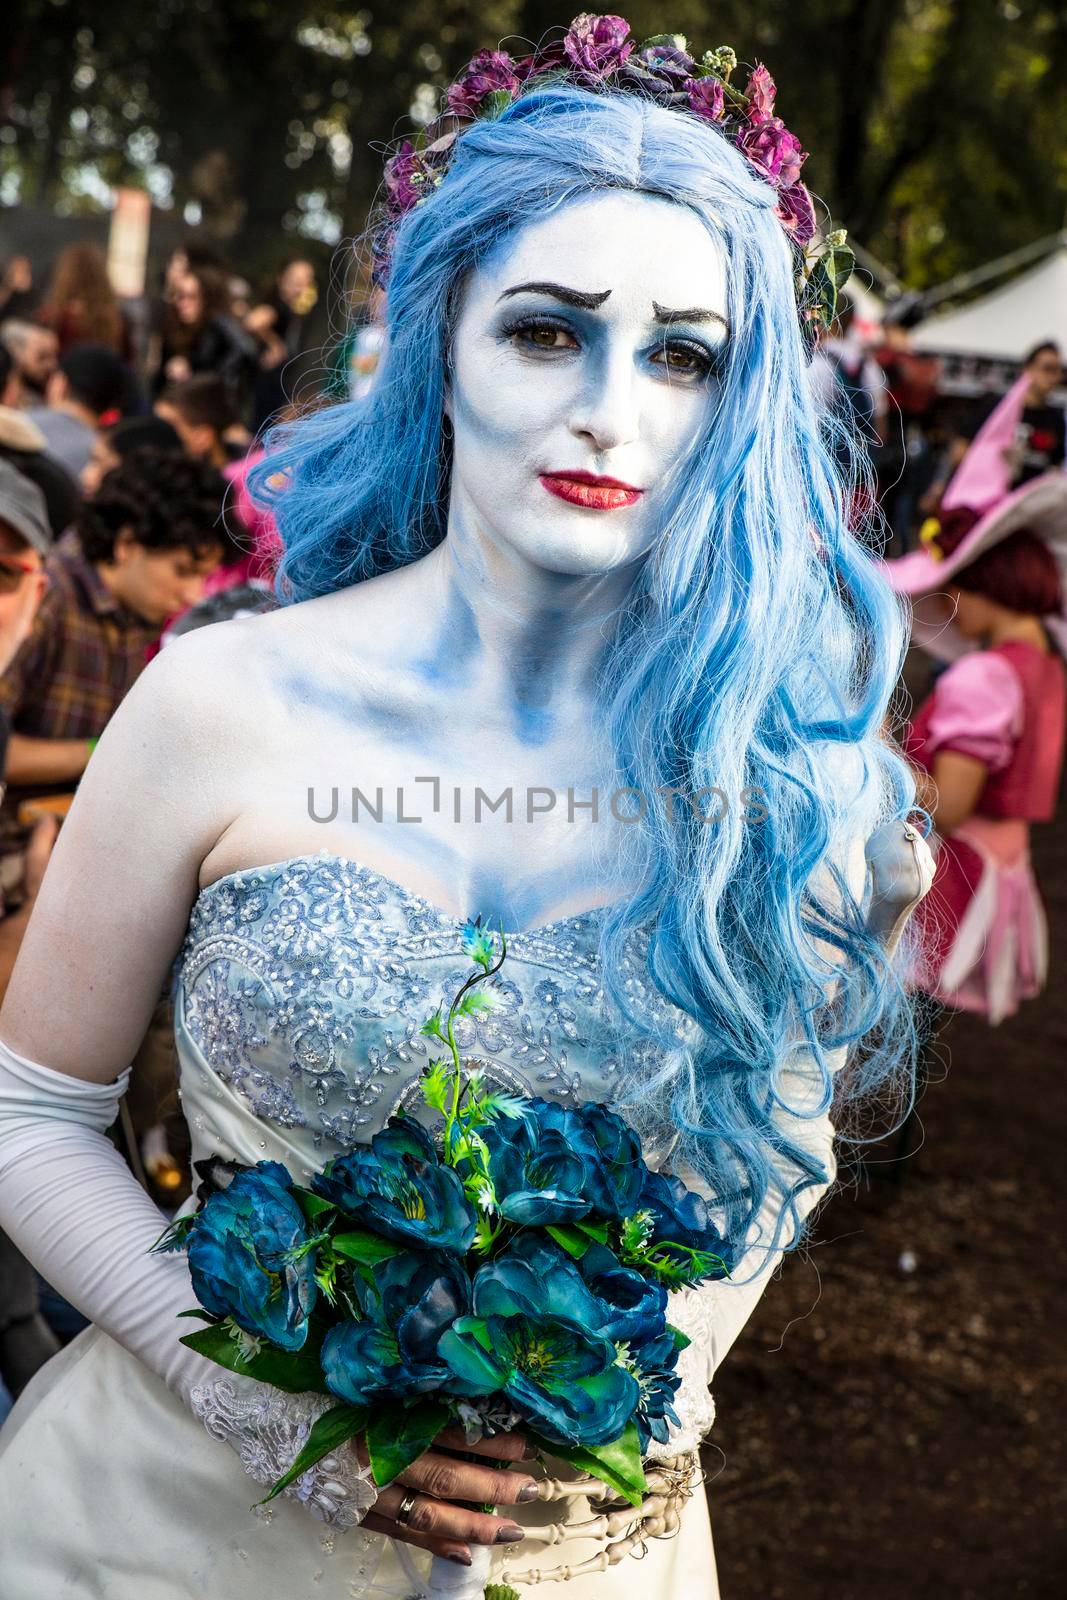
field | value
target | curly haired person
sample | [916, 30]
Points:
[139, 551]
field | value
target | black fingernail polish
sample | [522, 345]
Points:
[529, 1491]
[510, 1533]
[460, 1559]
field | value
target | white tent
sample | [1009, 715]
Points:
[1006, 323]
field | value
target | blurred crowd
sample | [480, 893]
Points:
[917, 429]
[127, 433]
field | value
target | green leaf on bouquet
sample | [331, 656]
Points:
[297, 1372]
[437, 1086]
[175, 1236]
[682, 1341]
[312, 1205]
[501, 1591]
[396, 1438]
[617, 1464]
[334, 1428]
[595, 1230]
[494, 1105]
[205, 1316]
[366, 1249]
[432, 1029]
[569, 1238]
[477, 1002]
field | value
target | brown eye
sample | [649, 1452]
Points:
[543, 336]
[684, 360]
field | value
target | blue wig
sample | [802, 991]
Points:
[760, 650]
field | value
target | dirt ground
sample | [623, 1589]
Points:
[892, 1424]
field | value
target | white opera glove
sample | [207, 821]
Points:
[73, 1208]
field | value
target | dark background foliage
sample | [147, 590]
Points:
[935, 125]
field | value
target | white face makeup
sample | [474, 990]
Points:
[588, 350]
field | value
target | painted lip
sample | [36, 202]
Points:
[591, 491]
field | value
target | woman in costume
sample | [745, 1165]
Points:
[990, 737]
[582, 539]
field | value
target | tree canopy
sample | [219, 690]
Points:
[935, 126]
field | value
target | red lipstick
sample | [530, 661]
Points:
[591, 491]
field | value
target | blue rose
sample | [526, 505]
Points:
[633, 1309]
[416, 1297]
[653, 1365]
[564, 1382]
[681, 1216]
[397, 1187]
[252, 1256]
[536, 1278]
[619, 1170]
[540, 1336]
[542, 1165]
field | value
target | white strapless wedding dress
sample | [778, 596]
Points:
[300, 990]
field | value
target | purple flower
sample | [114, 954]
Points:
[666, 61]
[489, 72]
[774, 152]
[761, 92]
[706, 98]
[597, 46]
[796, 213]
[402, 172]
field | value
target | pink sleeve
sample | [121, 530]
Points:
[978, 710]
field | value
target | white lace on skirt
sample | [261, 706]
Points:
[268, 1429]
[691, 1311]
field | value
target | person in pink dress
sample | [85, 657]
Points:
[988, 589]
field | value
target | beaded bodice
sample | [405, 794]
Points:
[304, 985]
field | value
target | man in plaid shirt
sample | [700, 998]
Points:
[139, 552]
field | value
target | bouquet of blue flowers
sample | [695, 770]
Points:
[506, 1265]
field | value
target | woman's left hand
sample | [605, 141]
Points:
[438, 1491]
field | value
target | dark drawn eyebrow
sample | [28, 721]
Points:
[583, 300]
[692, 314]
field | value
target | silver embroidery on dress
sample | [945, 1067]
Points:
[304, 984]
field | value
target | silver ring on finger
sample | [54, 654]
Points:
[404, 1509]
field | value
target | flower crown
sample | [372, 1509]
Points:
[597, 53]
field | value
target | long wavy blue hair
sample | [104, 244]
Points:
[760, 650]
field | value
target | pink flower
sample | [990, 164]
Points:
[402, 172]
[774, 152]
[488, 73]
[761, 92]
[796, 213]
[706, 98]
[597, 46]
